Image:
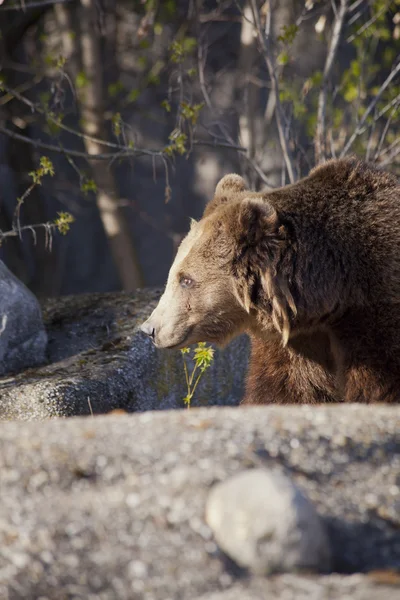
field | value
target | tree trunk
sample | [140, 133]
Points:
[90, 98]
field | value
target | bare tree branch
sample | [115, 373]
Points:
[389, 148]
[392, 155]
[369, 109]
[48, 227]
[264, 40]
[386, 128]
[77, 153]
[379, 114]
[123, 149]
[372, 20]
[27, 5]
[320, 135]
[84, 136]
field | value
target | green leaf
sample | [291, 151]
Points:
[117, 124]
[191, 111]
[283, 58]
[288, 34]
[189, 44]
[115, 88]
[178, 143]
[133, 95]
[63, 222]
[46, 168]
[187, 400]
[350, 93]
[203, 355]
[81, 80]
[88, 185]
[153, 78]
[166, 105]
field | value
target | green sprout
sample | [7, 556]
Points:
[178, 143]
[63, 222]
[46, 168]
[202, 357]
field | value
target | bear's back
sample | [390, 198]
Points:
[347, 212]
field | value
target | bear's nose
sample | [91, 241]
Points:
[148, 329]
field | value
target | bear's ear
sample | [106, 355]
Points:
[260, 240]
[257, 231]
[230, 183]
[228, 189]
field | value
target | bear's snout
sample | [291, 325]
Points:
[148, 328]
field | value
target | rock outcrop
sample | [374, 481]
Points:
[99, 361]
[22, 336]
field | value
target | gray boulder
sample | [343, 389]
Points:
[100, 361]
[262, 520]
[23, 339]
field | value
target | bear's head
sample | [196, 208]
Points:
[225, 273]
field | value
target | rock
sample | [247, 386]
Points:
[99, 361]
[297, 587]
[23, 339]
[264, 523]
[113, 506]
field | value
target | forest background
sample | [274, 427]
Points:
[117, 119]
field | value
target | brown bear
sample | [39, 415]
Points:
[311, 271]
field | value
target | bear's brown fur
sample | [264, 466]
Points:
[311, 271]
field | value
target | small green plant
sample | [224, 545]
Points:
[202, 357]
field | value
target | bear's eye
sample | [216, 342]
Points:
[185, 281]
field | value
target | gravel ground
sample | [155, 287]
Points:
[113, 506]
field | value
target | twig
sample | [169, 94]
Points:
[385, 129]
[370, 141]
[378, 115]
[389, 159]
[371, 21]
[370, 108]
[215, 144]
[355, 5]
[77, 153]
[25, 6]
[264, 40]
[14, 232]
[23, 87]
[16, 218]
[320, 135]
[125, 150]
[83, 136]
[4, 320]
[90, 406]
[389, 148]
[108, 155]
